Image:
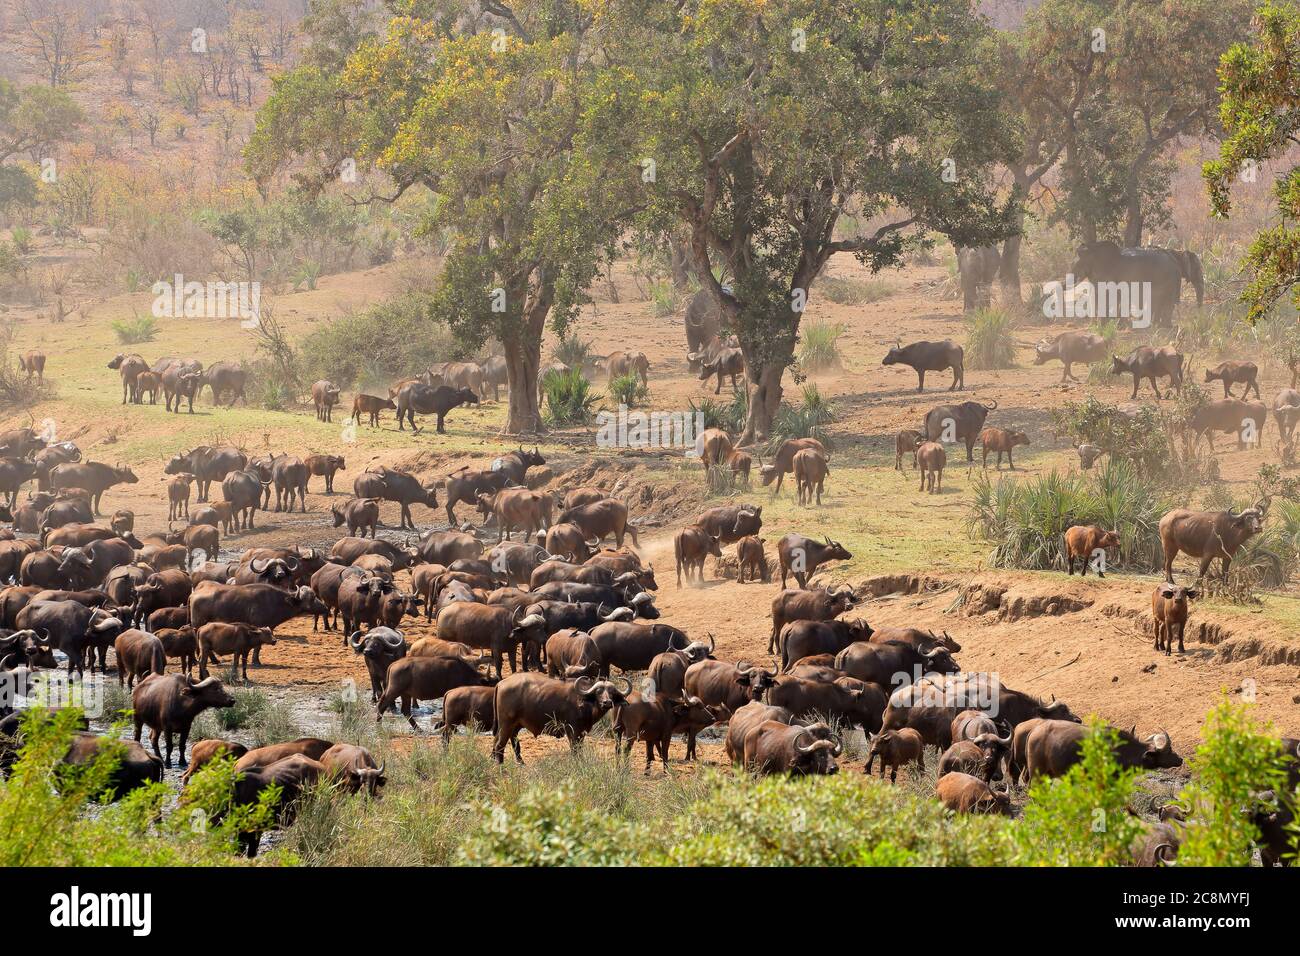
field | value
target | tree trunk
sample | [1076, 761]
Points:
[680, 264]
[523, 361]
[1133, 218]
[1009, 270]
[764, 385]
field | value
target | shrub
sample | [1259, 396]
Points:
[573, 352]
[1025, 521]
[990, 339]
[1082, 819]
[808, 419]
[1236, 762]
[1141, 439]
[665, 297]
[369, 349]
[729, 416]
[819, 348]
[627, 389]
[568, 398]
[133, 331]
[307, 274]
[21, 237]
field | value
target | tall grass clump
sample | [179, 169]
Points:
[627, 389]
[573, 351]
[1025, 521]
[729, 416]
[819, 345]
[137, 329]
[990, 339]
[808, 419]
[854, 291]
[568, 398]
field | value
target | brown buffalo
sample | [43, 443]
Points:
[1208, 535]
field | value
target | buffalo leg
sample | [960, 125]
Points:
[154, 734]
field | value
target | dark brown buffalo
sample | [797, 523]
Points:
[291, 776]
[94, 476]
[1230, 373]
[743, 720]
[416, 678]
[181, 382]
[1286, 410]
[930, 357]
[806, 637]
[775, 747]
[654, 718]
[960, 422]
[290, 476]
[1053, 747]
[14, 473]
[730, 523]
[631, 647]
[167, 588]
[497, 630]
[465, 485]
[893, 665]
[783, 461]
[472, 707]
[372, 602]
[138, 655]
[547, 705]
[1208, 535]
[601, 519]
[568, 542]
[804, 605]
[691, 547]
[727, 685]
[431, 400]
[896, 748]
[931, 460]
[850, 701]
[1071, 347]
[326, 466]
[134, 767]
[380, 648]
[1232, 416]
[77, 630]
[389, 484]
[208, 464]
[1151, 363]
[168, 704]
[261, 605]
[801, 556]
[48, 457]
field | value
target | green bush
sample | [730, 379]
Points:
[133, 331]
[1235, 764]
[395, 339]
[990, 339]
[1025, 521]
[808, 419]
[819, 345]
[1141, 439]
[573, 352]
[568, 398]
[1082, 819]
[729, 415]
[627, 390]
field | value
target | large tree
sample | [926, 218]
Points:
[1150, 84]
[1261, 117]
[483, 111]
[753, 125]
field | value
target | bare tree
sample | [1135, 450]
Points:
[55, 37]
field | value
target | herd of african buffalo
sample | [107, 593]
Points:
[568, 603]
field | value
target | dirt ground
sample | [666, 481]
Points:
[1099, 657]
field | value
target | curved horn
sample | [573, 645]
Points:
[256, 561]
[713, 641]
[992, 407]
[628, 688]
[799, 736]
[394, 639]
[355, 640]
